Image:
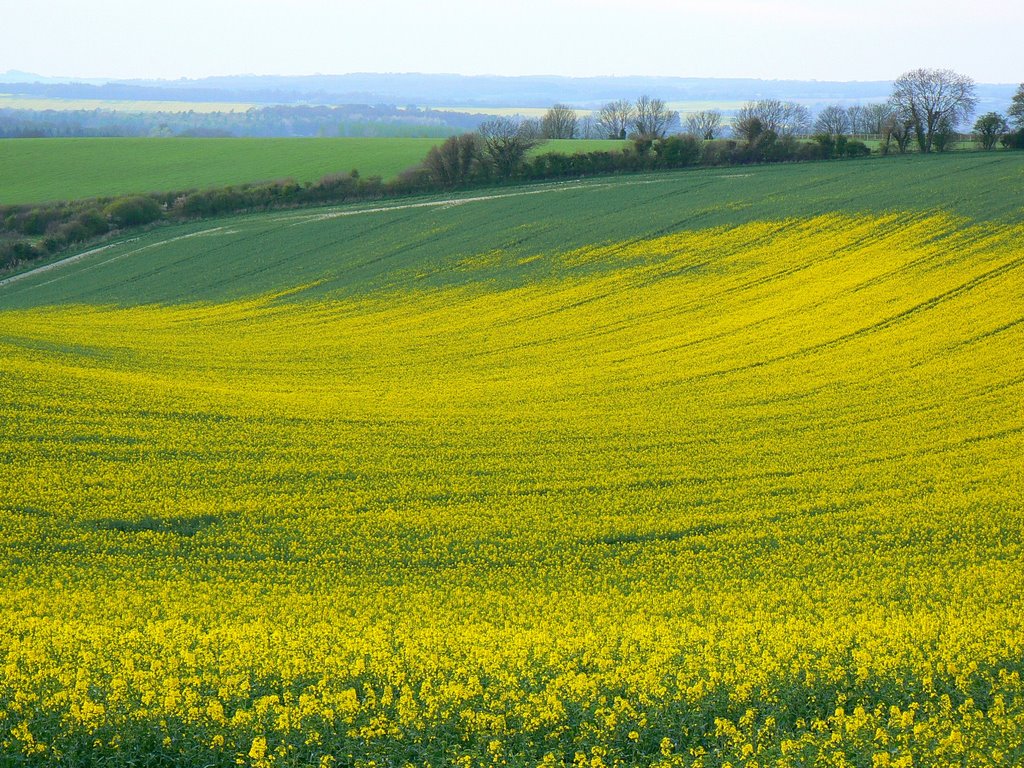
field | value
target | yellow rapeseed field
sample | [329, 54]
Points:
[737, 497]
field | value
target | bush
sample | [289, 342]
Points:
[1014, 140]
[93, 222]
[133, 211]
[35, 221]
[677, 151]
[14, 252]
[72, 232]
[827, 145]
[808, 151]
[719, 152]
[855, 148]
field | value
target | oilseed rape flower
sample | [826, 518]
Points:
[743, 496]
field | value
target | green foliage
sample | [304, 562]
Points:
[16, 252]
[856, 148]
[945, 136]
[1014, 140]
[1016, 111]
[677, 152]
[133, 211]
[989, 128]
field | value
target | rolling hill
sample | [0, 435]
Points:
[683, 469]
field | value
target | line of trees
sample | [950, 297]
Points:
[928, 108]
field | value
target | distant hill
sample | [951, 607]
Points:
[461, 90]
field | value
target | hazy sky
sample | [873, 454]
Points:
[773, 39]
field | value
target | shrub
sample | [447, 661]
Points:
[719, 152]
[35, 221]
[133, 211]
[93, 222]
[1014, 140]
[677, 151]
[855, 148]
[827, 145]
[14, 252]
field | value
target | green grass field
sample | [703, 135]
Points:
[703, 469]
[40, 170]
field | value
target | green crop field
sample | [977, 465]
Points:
[685, 470]
[40, 170]
[345, 252]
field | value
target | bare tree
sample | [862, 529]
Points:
[855, 118]
[832, 121]
[784, 118]
[875, 117]
[768, 113]
[615, 118]
[560, 122]
[704, 125]
[534, 128]
[652, 118]
[897, 128]
[454, 162]
[796, 119]
[588, 127]
[506, 142]
[930, 97]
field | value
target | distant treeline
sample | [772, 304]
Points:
[264, 122]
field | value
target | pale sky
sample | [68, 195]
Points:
[769, 39]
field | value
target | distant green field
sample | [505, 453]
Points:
[41, 170]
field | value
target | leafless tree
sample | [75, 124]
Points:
[832, 121]
[897, 128]
[533, 128]
[784, 118]
[454, 162]
[931, 97]
[506, 141]
[615, 118]
[560, 122]
[651, 119]
[706, 124]
[768, 113]
[796, 119]
[588, 127]
[855, 118]
[875, 117]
